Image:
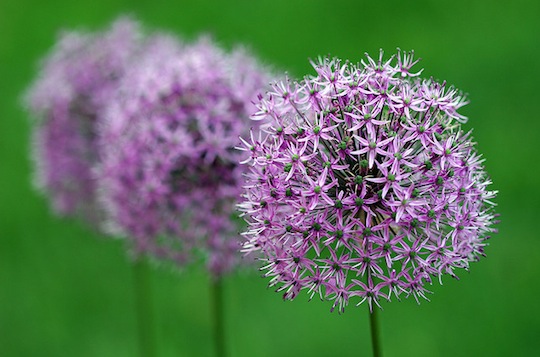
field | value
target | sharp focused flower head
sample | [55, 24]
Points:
[170, 176]
[67, 100]
[364, 186]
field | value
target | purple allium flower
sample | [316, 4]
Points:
[170, 178]
[364, 185]
[67, 101]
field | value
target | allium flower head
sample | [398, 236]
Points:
[364, 186]
[67, 101]
[170, 177]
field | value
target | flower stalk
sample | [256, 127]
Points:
[143, 306]
[375, 335]
[217, 314]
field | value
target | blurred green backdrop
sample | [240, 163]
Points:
[65, 291]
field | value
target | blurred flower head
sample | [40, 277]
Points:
[169, 175]
[364, 185]
[66, 102]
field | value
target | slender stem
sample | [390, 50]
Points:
[375, 337]
[217, 311]
[143, 305]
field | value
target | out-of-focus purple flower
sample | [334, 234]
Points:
[364, 185]
[67, 101]
[170, 176]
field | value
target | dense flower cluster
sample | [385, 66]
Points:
[364, 185]
[67, 102]
[169, 172]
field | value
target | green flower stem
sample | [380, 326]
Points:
[143, 306]
[217, 312]
[375, 336]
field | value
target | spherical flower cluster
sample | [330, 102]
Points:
[364, 185]
[67, 101]
[169, 173]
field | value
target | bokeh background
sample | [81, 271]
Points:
[66, 291]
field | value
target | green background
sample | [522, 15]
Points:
[65, 291]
